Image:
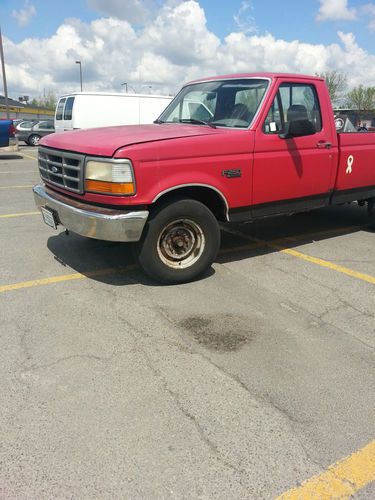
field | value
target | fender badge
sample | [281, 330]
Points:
[235, 172]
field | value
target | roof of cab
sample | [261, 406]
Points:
[270, 76]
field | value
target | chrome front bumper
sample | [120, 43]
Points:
[92, 221]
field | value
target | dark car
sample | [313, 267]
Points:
[31, 132]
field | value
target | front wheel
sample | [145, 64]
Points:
[34, 140]
[181, 241]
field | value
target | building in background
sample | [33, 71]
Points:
[18, 109]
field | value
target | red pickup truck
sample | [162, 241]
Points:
[231, 148]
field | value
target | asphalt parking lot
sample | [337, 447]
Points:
[244, 384]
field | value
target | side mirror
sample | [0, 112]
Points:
[298, 128]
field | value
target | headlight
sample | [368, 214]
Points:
[110, 177]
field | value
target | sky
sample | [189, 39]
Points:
[155, 46]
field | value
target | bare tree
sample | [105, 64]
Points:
[336, 83]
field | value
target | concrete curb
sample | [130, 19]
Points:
[12, 148]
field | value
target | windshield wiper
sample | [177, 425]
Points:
[198, 122]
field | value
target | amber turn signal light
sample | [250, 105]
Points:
[109, 187]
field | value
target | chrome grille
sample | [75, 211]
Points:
[62, 168]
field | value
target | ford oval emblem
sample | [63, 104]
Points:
[54, 169]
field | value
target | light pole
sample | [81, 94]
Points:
[127, 86]
[4, 76]
[80, 72]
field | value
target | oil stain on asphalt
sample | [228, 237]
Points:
[221, 333]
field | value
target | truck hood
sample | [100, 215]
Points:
[105, 141]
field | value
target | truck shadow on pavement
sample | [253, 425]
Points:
[116, 263]
[272, 234]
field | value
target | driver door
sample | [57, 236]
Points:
[292, 174]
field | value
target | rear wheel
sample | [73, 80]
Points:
[371, 212]
[34, 140]
[181, 241]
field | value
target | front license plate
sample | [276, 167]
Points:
[49, 217]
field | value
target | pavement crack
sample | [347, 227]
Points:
[255, 398]
[180, 406]
[200, 431]
[322, 321]
[321, 318]
[90, 357]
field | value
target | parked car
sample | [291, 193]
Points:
[6, 132]
[18, 121]
[31, 131]
[25, 124]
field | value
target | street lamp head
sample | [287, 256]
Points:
[78, 62]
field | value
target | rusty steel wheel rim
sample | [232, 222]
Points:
[181, 244]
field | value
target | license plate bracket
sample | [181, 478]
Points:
[50, 217]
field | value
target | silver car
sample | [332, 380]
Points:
[31, 132]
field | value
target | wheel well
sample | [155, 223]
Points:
[208, 196]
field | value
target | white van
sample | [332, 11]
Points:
[93, 109]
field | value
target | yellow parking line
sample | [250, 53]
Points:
[21, 214]
[340, 480]
[65, 277]
[41, 282]
[328, 264]
[28, 156]
[277, 245]
[17, 187]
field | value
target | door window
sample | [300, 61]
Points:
[68, 110]
[293, 101]
[60, 108]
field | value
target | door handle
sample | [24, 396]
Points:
[324, 145]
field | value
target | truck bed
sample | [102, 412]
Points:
[356, 168]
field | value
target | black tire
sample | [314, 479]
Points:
[180, 242]
[371, 213]
[33, 140]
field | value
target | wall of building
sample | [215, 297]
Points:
[27, 113]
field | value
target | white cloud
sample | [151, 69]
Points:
[243, 19]
[173, 47]
[133, 11]
[336, 10]
[369, 9]
[180, 34]
[24, 15]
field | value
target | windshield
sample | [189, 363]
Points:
[229, 103]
